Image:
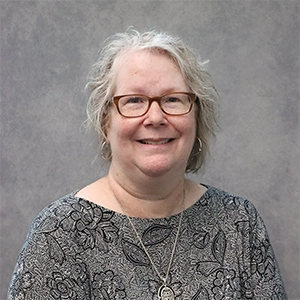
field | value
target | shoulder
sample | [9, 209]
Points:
[229, 213]
[227, 199]
[65, 214]
[56, 210]
[68, 223]
[227, 205]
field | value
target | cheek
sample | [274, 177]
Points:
[187, 129]
[191, 125]
[120, 130]
[190, 133]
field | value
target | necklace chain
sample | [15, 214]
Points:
[163, 279]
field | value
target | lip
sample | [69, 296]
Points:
[155, 142]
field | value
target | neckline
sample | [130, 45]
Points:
[204, 196]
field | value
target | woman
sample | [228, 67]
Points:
[144, 231]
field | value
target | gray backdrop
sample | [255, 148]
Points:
[47, 48]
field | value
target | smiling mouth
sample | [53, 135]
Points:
[157, 142]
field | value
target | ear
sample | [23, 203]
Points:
[107, 125]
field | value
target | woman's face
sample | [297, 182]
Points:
[155, 143]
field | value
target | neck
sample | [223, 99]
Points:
[151, 197]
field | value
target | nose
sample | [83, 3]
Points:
[155, 116]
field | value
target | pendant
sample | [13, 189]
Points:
[166, 293]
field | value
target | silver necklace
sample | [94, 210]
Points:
[165, 292]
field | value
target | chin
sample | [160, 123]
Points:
[157, 169]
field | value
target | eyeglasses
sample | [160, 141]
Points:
[136, 105]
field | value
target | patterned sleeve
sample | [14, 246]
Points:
[261, 277]
[45, 269]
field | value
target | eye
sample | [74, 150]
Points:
[173, 99]
[133, 100]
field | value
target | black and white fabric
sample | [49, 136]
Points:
[76, 249]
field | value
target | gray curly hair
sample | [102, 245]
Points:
[101, 85]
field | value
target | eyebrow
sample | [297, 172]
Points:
[141, 91]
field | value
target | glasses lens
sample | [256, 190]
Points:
[133, 105]
[176, 104]
[137, 105]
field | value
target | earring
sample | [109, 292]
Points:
[200, 146]
[105, 151]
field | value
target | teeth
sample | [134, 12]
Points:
[151, 142]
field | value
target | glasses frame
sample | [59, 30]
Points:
[191, 96]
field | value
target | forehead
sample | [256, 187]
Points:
[151, 68]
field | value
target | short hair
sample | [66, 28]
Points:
[102, 74]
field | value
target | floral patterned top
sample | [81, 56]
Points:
[76, 249]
